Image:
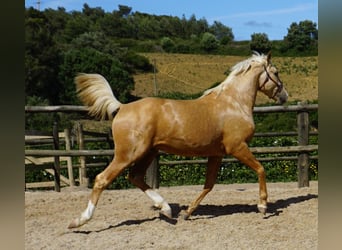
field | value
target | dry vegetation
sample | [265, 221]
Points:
[195, 73]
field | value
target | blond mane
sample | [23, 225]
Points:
[239, 68]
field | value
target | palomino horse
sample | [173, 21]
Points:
[218, 123]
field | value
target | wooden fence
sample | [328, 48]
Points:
[34, 160]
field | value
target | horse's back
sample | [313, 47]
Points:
[175, 126]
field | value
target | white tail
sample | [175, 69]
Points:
[95, 92]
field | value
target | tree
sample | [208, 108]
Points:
[260, 43]
[302, 37]
[209, 42]
[89, 60]
[57, 20]
[202, 26]
[42, 57]
[93, 13]
[123, 11]
[167, 44]
[147, 26]
[191, 27]
[111, 25]
[221, 32]
[76, 26]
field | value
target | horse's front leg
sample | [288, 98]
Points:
[211, 175]
[243, 154]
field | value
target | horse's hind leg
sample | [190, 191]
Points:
[102, 180]
[136, 177]
[211, 175]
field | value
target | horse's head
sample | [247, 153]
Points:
[270, 84]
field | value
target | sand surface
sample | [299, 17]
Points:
[226, 219]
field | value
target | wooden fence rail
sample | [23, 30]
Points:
[302, 149]
[82, 109]
[110, 152]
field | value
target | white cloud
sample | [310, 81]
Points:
[298, 8]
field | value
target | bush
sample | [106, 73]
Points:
[209, 42]
[260, 43]
[35, 120]
[136, 63]
[167, 44]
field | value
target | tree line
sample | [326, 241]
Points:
[59, 44]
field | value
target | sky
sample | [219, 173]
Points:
[246, 17]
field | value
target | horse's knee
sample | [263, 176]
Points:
[260, 171]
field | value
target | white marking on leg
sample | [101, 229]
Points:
[159, 202]
[85, 216]
[88, 213]
[262, 208]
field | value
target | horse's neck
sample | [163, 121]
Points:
[242, 90]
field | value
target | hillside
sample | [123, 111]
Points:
[195, 73]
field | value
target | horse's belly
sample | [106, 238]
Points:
[190, 148]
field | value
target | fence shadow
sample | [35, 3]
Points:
[213, 211]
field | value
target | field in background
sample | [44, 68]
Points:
[195, 73]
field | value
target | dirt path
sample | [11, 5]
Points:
[227, 219]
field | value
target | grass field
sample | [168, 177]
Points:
[196, 73]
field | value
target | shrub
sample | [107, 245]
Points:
[167, 44]
[209, 42]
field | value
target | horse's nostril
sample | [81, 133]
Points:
[282, 99]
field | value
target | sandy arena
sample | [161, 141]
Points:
[226, 219]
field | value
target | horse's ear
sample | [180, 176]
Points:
[269, 55]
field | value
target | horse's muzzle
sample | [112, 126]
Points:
[281, 99]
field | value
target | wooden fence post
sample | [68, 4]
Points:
[303, 139]
[109, 140]
[69, 161]
[152, 174]
[56, 167]
[82, 169]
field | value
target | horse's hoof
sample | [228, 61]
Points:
[75, 223]
[166, 212]
[155, 207]
[167, 219]
[184, 215]
[262, 208]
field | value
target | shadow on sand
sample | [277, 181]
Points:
[212, 211]
[273, 209]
